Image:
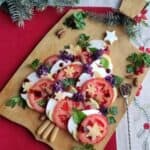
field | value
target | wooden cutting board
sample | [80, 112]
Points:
[132, 8]
[50, 45]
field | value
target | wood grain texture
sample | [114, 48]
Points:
[131, 8]
[50, 45]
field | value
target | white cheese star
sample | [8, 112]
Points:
[61, 95]
[94, 131]
[50, 76]
[111, 36]
[91, 89]
[26, 86]
[69, 71]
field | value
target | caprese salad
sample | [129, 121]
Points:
[72, 88]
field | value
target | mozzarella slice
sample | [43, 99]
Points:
[99, 70]
[50, 108]
[83, 78]
[91, 112]
[25, 97]
[98, 44]
[33, 77]
[58, 66]
[73, 127]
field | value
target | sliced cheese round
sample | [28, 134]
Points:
[97, 44]
[33, 77]
[58, 66]
[25, 97]
[83, 78]
[29, 81]
[50, 108]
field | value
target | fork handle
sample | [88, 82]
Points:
[128, 123]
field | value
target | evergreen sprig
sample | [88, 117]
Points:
[65, 2]
[113, 18]
[21, 10]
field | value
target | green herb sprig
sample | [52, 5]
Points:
[16, 100]
[35, 64]
[84, 147]
[83, 40]
[137, 60]
[112, 112]
[69, 82]
[117, 81]
[76, 20]
[42, 103]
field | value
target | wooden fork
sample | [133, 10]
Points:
[47, 130]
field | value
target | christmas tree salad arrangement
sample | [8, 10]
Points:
[76, 88]
[76, 91]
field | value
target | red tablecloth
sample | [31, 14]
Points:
[15, 45]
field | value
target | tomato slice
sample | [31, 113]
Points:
[89, 122]
[100, 90]
[38, 92]
[51, 60]
[63, 110]
[70, 71]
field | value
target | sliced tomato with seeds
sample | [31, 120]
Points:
[85, 133]
[51, 60]
[38, 93]
[100, 90]
[70, 71]
[63, 110]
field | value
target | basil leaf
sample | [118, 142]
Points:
[113, 110]
[16, 100]
[77, 115]
[84, 147]
[76, 20]
[69, 82]
[130, 68]
[104, 62]
[83, 40]
[146, 59]
[92, 49]
[111, 119]
[133, 57]
[117, 80]
[42, 103]
[22, 103]
[35, 63]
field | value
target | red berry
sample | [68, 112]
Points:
[141, 69]
[137, 72]
[146, 126]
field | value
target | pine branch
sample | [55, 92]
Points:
[112, 18]
[109, 18]
[1, 2]
[65, 2]
[21, 10]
